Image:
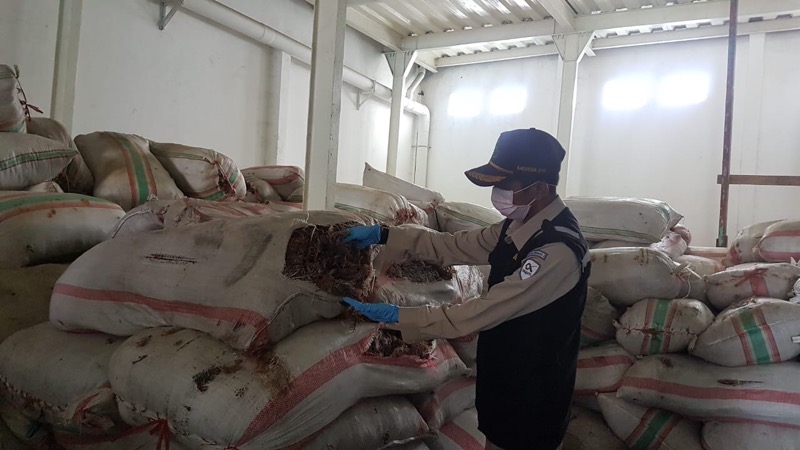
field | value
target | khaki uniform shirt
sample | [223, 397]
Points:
[554, 272]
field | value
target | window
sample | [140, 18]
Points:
[508, 100]
[465, 103]
[683, 89]
[628, 93]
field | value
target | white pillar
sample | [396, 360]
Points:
[748, 121]
[400, 63]
[571, 47]
[277, 126]
[62, 103]
[325, 104]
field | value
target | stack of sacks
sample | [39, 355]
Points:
[386, 207]
[76, 177]
[751, 280]
[453, 217]
[274, 184]
[421, 197]
[252, 301]
[634, 220]
[742, 249]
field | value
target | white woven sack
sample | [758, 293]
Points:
[124, 169]
[76, 177]
[60, 378]
[47, 187]
[25, 296]
[649, 428]
[201, 172]
[231, 276]
[260, 191]
[600, 369]
[672, 244]
[457, 216]
[751, 280]
[692, 387]
[213, 395]
[146, 217]
[616, 244]
[627, 275]
[446, 402]
[624, 219]
[700, 265]
[27, 159]
[749, 436]
[588, 431]
[12, 111]
[464, 283]
[742, 248]
[597, 324]
[459, 434]
[781, 242]
[285, 179]
[37, 228]
[755, 331]
[150, 436]
[385, 207]
[467, 349]
[654, 326]
[376, 179]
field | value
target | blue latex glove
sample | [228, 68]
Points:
[363, 237]
[376, 312]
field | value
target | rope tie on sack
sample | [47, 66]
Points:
[751, 275]
[24, 99]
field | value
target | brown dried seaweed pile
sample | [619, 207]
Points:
[420, 272]
[316, 254]
[389, 344]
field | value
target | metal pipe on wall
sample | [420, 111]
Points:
[722, 237]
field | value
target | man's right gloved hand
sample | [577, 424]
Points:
[363, 236]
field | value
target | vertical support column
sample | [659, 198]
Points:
[325, 104]
[400, 63]
[277, 126]
[62, 103]
[571, 47]
[722, 236]
[749, 119]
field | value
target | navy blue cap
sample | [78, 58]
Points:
[524, 154]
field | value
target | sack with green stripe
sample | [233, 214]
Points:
[453, 217]
[626, 275]
[751, 280]
[754, 331]
[76, 177]
[124, 169]
[12, 110]
[200, 172]
[749, 436]
[597, 324]
[649, 428]
[38, 228]
[623, 219]
[26, 160]
[692, 387]
[385, 207]
[654, 326]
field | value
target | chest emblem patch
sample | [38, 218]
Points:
[528, 269]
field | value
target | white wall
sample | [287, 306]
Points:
[193, 83]
[673, 154]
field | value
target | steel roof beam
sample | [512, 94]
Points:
[561, 13]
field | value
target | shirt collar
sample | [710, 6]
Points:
[520, 232]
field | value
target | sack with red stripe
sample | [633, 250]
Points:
[694, 388]
[260, 191]
[12, 108]
[460, 433]
[654, 326]
[213, 395]
[373, 423]
[154, 435]
[245, 282]
[742, 250]
[201, 172]
[751, 280]
[587, 430]
[781, 242]
[418, 283]
[285, 179]
[597, 324]
[446, 402]
[453, 217]
[754, 331]
[749, 436]
[47, 187]
[467, 349]
[627, 275]
[124, 169]
[385, 207]
[600, 369]
[649, 428]
[25, 296]
[38, 228]
[76, 177]
[700, 265]
[27, 159]
[60, 378]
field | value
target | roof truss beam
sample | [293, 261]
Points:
[561, 13]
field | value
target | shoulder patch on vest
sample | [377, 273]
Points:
[537, 254]
[528, 269]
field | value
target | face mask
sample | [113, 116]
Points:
[503, 201]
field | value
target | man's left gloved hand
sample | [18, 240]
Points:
[376, 312]
[363, 236]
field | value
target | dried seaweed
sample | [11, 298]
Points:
[420, 272]
[389, 344]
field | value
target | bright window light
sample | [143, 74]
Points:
[508, 100]
[626, 94]
[466, 103]
[684, 89]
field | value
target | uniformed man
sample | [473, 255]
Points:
[530, 319]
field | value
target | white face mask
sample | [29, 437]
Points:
[503, 201]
